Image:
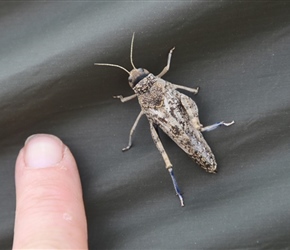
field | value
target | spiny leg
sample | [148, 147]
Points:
[168, 164]
[132, 131]
[214, 126]
[166, 68]
[125, 99]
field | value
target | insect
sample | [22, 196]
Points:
[173, 112]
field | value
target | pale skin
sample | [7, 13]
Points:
[49, 204]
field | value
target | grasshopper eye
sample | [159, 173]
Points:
[141, 70]
[130, 79]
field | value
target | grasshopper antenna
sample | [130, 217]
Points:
[131, 51]
[118, 66]
[113, 65]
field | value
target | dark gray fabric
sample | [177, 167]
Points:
[237, 52]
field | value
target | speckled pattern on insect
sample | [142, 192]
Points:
[171, 111]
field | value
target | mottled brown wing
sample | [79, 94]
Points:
[171, 116]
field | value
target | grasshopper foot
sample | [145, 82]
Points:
[118, 97]
[126, 148]
[228, 123]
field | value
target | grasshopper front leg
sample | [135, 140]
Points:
[166, 68]
[168, 164]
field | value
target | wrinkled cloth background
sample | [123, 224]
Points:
[237, 52]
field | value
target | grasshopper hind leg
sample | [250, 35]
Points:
[216, 125]
[177, 190]
[168, 165]
[192, 111]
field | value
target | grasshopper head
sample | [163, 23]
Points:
[136, 75]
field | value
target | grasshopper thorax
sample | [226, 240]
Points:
[136, 75]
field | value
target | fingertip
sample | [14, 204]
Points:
[48, 196]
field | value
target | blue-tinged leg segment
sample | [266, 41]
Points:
[177, 190]
[214, 126]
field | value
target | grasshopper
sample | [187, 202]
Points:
[171, 111]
